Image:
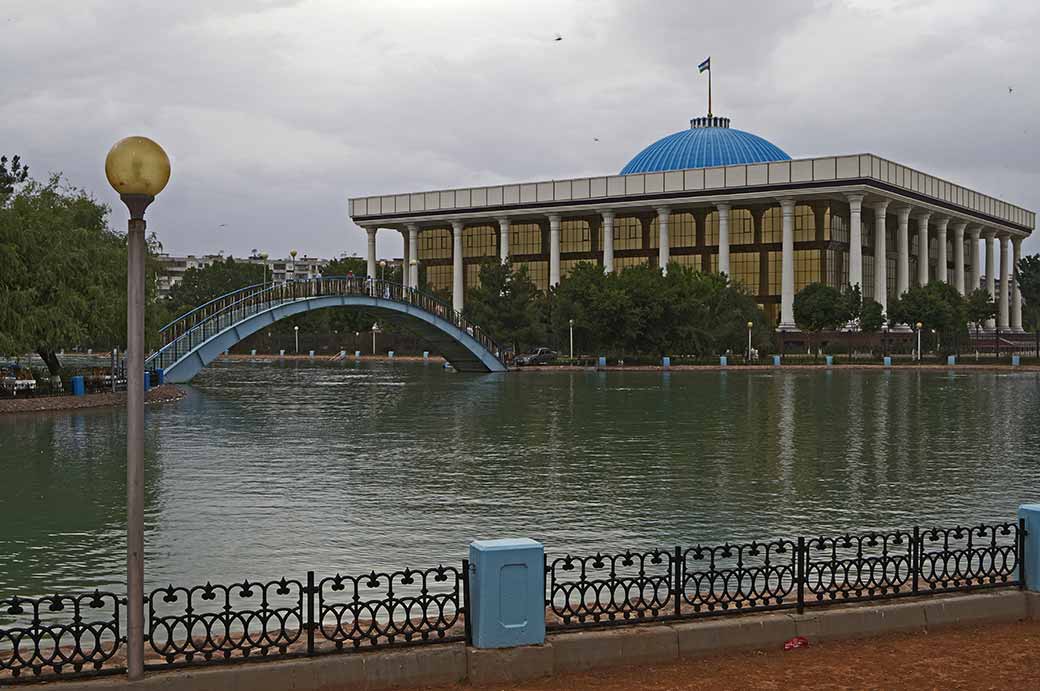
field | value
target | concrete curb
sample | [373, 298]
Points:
[592, 649]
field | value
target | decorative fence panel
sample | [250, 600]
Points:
[66, 635]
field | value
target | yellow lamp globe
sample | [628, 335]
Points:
[137, 166]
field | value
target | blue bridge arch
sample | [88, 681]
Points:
[195, 339]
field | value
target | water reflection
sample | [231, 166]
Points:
[272, 469]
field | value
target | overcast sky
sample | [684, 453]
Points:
[274, 113]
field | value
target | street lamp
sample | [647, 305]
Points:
[884, 340]
[375, 330]
[750, 325]
[138, 169]
[382, 269]
[919, 325]
[263, 258]
[296, 332]
[570, 323]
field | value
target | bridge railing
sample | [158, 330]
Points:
[193, 329]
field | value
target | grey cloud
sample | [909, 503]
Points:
[275, 113]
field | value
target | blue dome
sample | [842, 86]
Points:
[709, 142]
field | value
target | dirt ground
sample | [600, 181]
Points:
[1004, 656]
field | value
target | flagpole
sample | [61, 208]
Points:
[709, 91]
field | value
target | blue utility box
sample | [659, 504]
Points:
[888, 361]
[147, 380]
[1031, 514]
[776, 361]
[507, 593]
[951, 360]
[601, 362]
[829, 359]
[1016, 360]
[160, 376]
[723, 361]
[78, 388]
[666, 362]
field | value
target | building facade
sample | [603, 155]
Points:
[172, 268]
[720, 200]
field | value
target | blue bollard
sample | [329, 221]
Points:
[723, 361]
[829, 359]
[253, 351]
[147, 380]
[357, 354]
[666, 362]
[506, 593]
[776, 361]
[951, 360]
[310, 354]
[390, 354]
[1030, 513]
[160, 376]
[78, 388]
[425, 355]
[888, 361]
[1016, 360]
[281, 353]
[602, 361]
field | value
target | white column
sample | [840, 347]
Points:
[1003, 322]
[922, 249]
[880, 255]
[724, 240]
[503, 239]
[855, 240]
[786, 266]
[457, 278]
[958, 256]
[608, 241]
[974, 260]
[991, 270]
[405, 269]
[903, 250]
[413, 256]
[940, 249]
[1016, 295]
[662, 240]
[554, 249]
[371, 252]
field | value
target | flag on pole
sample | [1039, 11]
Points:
[706, 65]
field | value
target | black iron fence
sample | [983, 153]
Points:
[84, 634]
[698, 581]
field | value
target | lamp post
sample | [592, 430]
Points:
[382, 269]
[375, 330]
[919, 325]
[296, 332]
[570, 324]
[263, 258]
[750, 325]
[138, 169]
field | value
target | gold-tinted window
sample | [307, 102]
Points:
[835, 227]
[525, 238]
[691, 260]
[567, 265]
[435, 243]
[804, 224]
[774, 278]
[538, 271]
[574, 236]
[772, 225]
[438, 278]
[807, 268]
[868, 276]
[471, 275]
[744, 270]
[772, 312]
[837, 269]
[628, 234]
[621, 263]
[479, 241]
[711, 229]
[741, 228]
[682, 231]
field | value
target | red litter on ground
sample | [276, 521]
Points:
[797, 642]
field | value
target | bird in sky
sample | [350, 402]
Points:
[222, 225]
[1010, 90]
[558, 38]
[595, 139]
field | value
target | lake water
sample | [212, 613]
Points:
[267, 470]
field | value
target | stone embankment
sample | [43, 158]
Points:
[36, 404]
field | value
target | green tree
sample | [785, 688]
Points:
[937, 306]
[507, 305]
[819, 307]
[871, 316]
[978, 307]
[12, 174]
[1027, 275]
[64, 273]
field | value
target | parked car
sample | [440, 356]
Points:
[541, 356]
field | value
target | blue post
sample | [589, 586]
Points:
[723, 361]
[390, 354]
[666, 362]
[147, 380]
[776, 361]
[829, 359]
[602, 362]
[506, 593]
[310, 354]
[357, 354]
[888, 361]
[78, 388]
[425, 355]
[1016, 360]
[253, 351]
[1031, 514]
[160, 376]
[951, 360]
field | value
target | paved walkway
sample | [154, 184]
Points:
[1004, 656]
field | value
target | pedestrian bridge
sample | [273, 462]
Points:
[195, 339]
